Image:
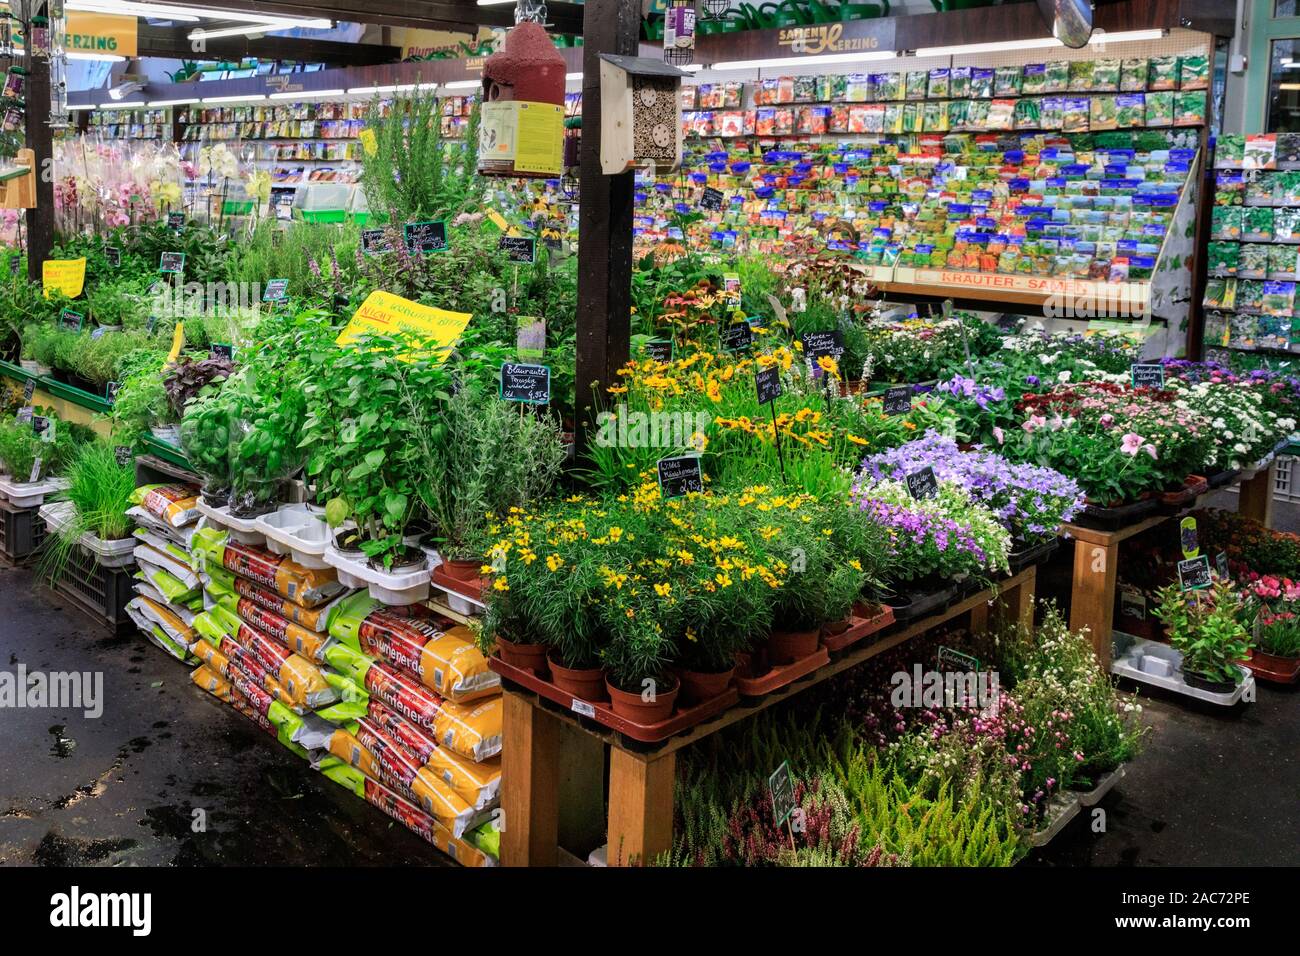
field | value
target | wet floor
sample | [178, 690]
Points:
[167, 775]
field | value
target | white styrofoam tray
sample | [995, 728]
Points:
[115, 553]
[242, 530]
[30, 494]
[1061, 809]
[296, 531]
[1149, 662]
[408, 588]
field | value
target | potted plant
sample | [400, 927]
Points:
[636, 656]
[1205, 626]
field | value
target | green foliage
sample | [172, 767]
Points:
[99, 492]
[1206, 627]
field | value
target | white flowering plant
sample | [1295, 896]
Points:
[1243, 427]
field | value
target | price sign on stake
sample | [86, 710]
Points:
[1221, 563]
[44, 427]
[737, 337]
[829, 344]
[767, 381]
[171, 263]
[29, 389]
[25, 414]
[114, 256]
[176, 220]
[922, 484]
[781, 786]
[123, 455]
[36, 470]
[1194, 573]
[425, 236]
[374, 240]
[712, 199]
[110, 391]
[519, 248]
[525, 383]
[72, 321]
[1148, 375]
[680, 476]
[898, 400]
[222, 350]
[949, 660]
[660, 351]
[277, 290]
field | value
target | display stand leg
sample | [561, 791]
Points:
[530, 784]
[1255, 499]
[1015, 604]
[582, 790]
[640, 806]
[1094, 593]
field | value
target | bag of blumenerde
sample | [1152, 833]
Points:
[174, 505]
[258, 706]
[162, 625]
[442, 655]
[477, 782]
[310, 587]
[230, 588]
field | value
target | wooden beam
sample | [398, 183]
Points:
[174, 42]
[40, 139]
[604, 222]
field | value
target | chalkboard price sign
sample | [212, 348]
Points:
[1194, 573]
[172, 262]
[1148, 375]
[110, 391]
[737, 337]
[374, 240]
[519, 248]
[680, 476]
[950, 661]
[526, 383]
[922, 484]
[176, 220]
[898, 400]
[113, 255]
[72, 321]
[1221, 563]
[712, 199]
[29, 389]
[659, 350]
[781, 787]
[222, 350]
[123, 454]
[277, 290]
[25, 414]
[43, 426]
[828, 344]
[768, 383]
[425, 236]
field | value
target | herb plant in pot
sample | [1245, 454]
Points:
[1205, 626]
[636, 657]
[205, 439]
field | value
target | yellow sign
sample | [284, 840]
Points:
[100, 33]
[386, 314]
[540, 144]
[824, 39]
[417, 42]
[178, 342]
[368, 141]
[64, 275]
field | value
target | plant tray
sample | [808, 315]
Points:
[920, 605]
[243, 530]
[114, 553]
[860, 626]
[1019, 560]
[1275, 670]
[22, 533]
[1113, 519]
[469, 590]
[780, 676]
[294, 530]
[409, 588]
[1134, 665]
[1222, 478]
[682, 719]
[1061, 809]
[1193, 487]
[30, 494]
[1090, 798]
[99, 591]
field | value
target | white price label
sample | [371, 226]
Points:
[582, 707]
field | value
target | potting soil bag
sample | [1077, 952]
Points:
[145, 519]
[442, 655]
[178, 569]
[472, 730]
[486, 837]
[404, 811]
[310, 587]
[160, 637]
[301, 679]
[224, 584]
[477, 783]
[214, 683]
[156, 619]
[174, 591]
[144, 589]
[176, 505]
[300, 640]
[161, 543]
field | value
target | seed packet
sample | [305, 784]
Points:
[1080, 76]
[1104, 113]
[859, 87]
[1193, 72]
[785, 89]
[839, 119]
[1028, 114]
[1288, 150]
[1052, 112]
[1222, 258]
[958, 114]
[893, 124]
[1007, 80]
[1250, 295]
[1226, 222]
[1001, 114]
[1229, 151]
[1105, 75]
[784, 122]
[1163, 73]
[959, 81]
[688, 94]
[1130, 110]
[1189, 108]
[1277, 298]
[1133, 75]
[1076, 110]
[805, 89]
[1216, 293]
[1034, 79]
[889, 86]
[1261, 190]
[1159, 109]
[940, 83]
[1257, 223]
[1057, 77]
[1252, 261]
[1286, 225]
[1283, 262]
[916, 83]
[1260, 151]
[911, 117]
[935, 118]
[981, 83]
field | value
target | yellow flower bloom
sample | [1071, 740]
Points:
[663, 590]
[500, 584]
[554, 562]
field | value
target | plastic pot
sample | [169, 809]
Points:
[585, 683]
[786, 647]
[1206, 683]
[462, 570]
[529, 656]
[631, 706]
[700, 686]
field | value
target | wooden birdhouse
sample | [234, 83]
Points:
[521, 121]
[18, 182]
[640, 114]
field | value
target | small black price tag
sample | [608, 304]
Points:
[15, 263]
[660, 351]
[519, 248]
[29, 389]
[781, 786]
[374, 240]
[898, 400]
[525, 383]
[277, 290]
[113, 255]
[711, 199]
[767, 381]
[1221, 564]
[949, 660]
[221, 350]
[176, 220]
[1194, 573]
[123, 454]
[680, 476]
[110, 391]
[172, 263]
[922, 484]
[737, 337]
[829, 344]
[25, 414]
[72, 321]
[1148, 375]
[41, 426]
[150, 323]
[425, 236]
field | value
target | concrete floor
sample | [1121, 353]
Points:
[121, 789]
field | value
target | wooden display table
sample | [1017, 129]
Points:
[1096, 559]
[552, 787]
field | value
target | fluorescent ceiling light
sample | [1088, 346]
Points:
[251, 98]
[305, 94]
[493, 3]
[462, 84]
[121, 106]
[247, 29]
[573, 76]
[98, 57]
[164, 11]
[802, 60]
[1038, 43]
[116, 6]
[79, 107]
[179, 102]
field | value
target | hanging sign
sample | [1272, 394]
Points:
[67, 276]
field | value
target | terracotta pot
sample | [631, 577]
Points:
[785, 647]
[462, 570]
[699, 686]
[628, 704]
[585, 683]
[837, 627]
[529, 656]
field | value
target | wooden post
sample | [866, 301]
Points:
[604, 222]
[530, 784]
[1093, 601]
[640, 806]
[1255, 499]
[40, 139]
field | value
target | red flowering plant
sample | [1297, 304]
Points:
[1118, 442]
[1252, 548]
